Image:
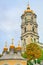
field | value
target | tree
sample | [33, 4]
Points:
[41, 58]
[33, 51]
[24, 55]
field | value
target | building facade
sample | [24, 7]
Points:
[12, 57]
[29, 28]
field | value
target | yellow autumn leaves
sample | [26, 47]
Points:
[33, 51]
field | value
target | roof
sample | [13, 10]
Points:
[16, 56]
[28, 10]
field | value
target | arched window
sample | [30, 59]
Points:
[34, 40]
[33, 29]
[25, 29]
[24, 41]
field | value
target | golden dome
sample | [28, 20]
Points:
[5, 48]
[28, 9]
[12, 45]
[19, 47]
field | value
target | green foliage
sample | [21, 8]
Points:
[38, 61]
[29, 63]
[35, 61]
[24, 55]
[41, 58]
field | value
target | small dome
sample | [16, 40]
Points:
[5, 48]
[19, 47]
[12, 45]
[28, 9]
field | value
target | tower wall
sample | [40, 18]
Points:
[29, 28]
[13, 62]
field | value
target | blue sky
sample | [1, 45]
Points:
[10, 19]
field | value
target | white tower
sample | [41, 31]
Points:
[29, 27]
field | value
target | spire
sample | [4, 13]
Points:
[6, 44]
[5, 48]
[18, 48]
[12, 41]
[12, 44]
[28, 7]
[28, 2]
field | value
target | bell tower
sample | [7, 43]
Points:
[29, 28]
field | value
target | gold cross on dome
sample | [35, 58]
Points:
[28, 2]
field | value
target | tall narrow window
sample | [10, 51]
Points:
[25, 20]
[34, 40]
[25, 29]
[33, 29]
[24, 43]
